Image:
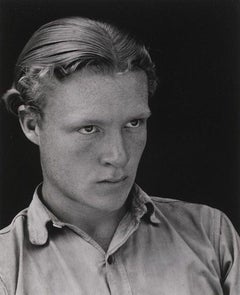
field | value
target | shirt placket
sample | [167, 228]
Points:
[116, 274]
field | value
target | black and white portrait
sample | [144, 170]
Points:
[119, 150]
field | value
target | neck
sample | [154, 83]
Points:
[98, 224]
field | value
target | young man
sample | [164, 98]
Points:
[81, 92]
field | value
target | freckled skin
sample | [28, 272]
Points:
[75, 164]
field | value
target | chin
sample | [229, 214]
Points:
[111, 200]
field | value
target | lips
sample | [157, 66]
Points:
[113, 180]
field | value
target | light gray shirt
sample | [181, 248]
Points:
[161, 247]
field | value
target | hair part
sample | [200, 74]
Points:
[64, 46]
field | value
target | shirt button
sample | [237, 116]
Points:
[110, 259]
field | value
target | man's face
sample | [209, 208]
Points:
[92, 137]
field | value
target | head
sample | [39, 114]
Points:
[81, 92]
[64, 46]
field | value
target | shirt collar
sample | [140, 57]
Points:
[142, 205]
[39, 215]
[38, 218]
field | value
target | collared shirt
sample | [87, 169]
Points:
[161, 247]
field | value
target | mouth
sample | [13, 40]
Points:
[114, 180]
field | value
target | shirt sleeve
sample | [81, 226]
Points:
[229, 252]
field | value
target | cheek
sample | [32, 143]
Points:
[137, 143]
[60, 145]
[55, 153]
[66, 160]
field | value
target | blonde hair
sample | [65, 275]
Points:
[61, 47]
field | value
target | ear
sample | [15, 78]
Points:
[29, 123]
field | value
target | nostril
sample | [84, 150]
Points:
[114, 150]
[116, 156]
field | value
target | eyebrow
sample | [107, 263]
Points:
[145, 114]
[87, 120]
[95, 116]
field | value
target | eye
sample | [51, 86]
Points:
[90, 129]
[134, 123]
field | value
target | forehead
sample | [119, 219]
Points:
[85, 92]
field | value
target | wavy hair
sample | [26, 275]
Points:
[61, 47]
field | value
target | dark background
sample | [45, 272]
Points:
[193, 150]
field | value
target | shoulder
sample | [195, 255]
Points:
[15, 228]
[183, 209]
[203, 227]
[12, 239]
[190, 218]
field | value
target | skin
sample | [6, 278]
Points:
[91, 140]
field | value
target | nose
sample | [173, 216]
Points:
[114, 151]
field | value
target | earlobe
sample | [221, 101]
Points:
[29, 123]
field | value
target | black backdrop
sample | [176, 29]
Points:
[193, 141]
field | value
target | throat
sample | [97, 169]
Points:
[103, 230]
[104, 239]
